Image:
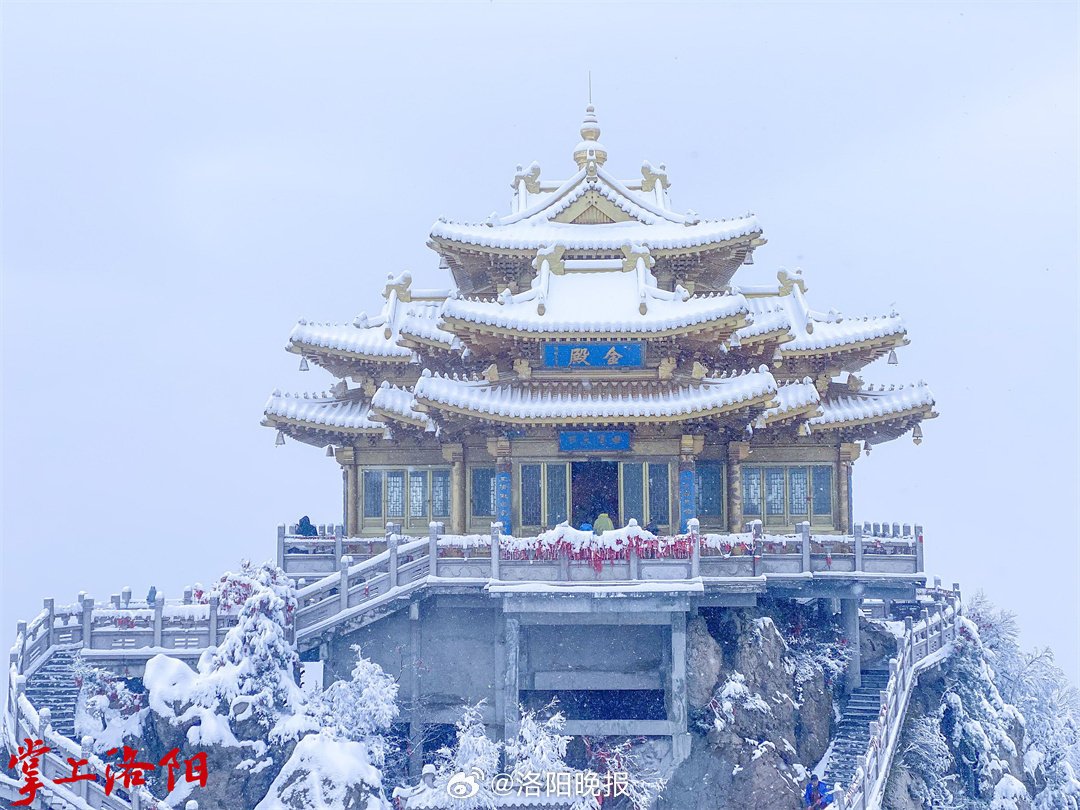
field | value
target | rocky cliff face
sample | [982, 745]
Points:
[760, 687]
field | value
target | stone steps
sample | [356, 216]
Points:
[853, 731]
[53, 687]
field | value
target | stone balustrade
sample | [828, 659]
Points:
[925, 643]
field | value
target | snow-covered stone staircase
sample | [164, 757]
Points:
[53, 687]
[853, 734]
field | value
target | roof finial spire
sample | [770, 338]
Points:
[590, 146]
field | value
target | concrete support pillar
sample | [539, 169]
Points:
[416, 715]
[737, 453]
[511, 715]
[849, 620]
[677, 702]
[455, 454]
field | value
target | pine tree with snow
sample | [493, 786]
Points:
[360, 709]
[472, 761]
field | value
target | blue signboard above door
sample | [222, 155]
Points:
[581, 441]
[594, 355]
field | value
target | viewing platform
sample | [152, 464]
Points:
[340, 577]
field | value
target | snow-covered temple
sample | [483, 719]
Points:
[596, 354]
[596, 470]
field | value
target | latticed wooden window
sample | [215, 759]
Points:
[659, 494]
[418, 493]
[633, 489]
[786, 496]
[822, 490]
[532, 494]
[751, 494]
[557, 511]
[440, 493]
[395, 494]
[483, 492]
[373, 494]
[774, 490]
[799, 490]
[709, 489]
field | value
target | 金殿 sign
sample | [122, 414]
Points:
[594, 355]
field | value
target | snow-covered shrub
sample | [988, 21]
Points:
[926, 756]
[464, 771]
[248, 677]
[540, 748]
[326, 773]
[360, 709]
[611, 756]
[233, 589]
[734, 694]
[106, 709]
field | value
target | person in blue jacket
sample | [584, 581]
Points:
[817, 794]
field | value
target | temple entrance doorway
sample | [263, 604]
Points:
[594, 488]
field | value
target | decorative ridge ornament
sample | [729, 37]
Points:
[590, 150]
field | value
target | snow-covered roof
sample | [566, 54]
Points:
[648, 222]
[605, 302]
[784, 308]
[396, 403]
[322, 411]
[367, 341]
[793, 399]
[421, 322]
[530, 235]
[873, 406]
[511, 403]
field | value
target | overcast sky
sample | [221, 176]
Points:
[183, 181]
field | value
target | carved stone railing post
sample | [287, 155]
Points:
[632, 556]
[804, 533]
[44, 722]
[859, 548]
[496, 544]
[125, 596]
[86, 751]
[50, 620]
[920, 562]
[187, 594]
[213, 611]
[343, 582]
[87, 622]
[281, 545]
[338, 550]
[694, 525]
[433, 548]
[159, 607]
[392, 548]
[20, 689]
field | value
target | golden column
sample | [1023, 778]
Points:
[737, 453]
[849, 451]
[455, 454]
[346, 457]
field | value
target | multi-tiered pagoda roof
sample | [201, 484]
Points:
[596, 262]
